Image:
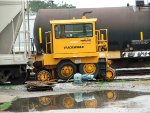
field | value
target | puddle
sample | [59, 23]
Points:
[98, 99]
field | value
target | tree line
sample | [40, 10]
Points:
[35, 5]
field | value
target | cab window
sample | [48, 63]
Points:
[73, 30]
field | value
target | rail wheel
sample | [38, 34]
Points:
[4, 76]
[91, 103]
[44, 75]
[66, 70]
[110, 74]
[19, 76]
[90, 68]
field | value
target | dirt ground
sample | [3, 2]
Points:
[135, 104]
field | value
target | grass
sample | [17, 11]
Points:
[101, 82]
[120, 80]
[105, 82]
[6, 105]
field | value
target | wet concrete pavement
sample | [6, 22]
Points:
[97, 99]
[119, 96]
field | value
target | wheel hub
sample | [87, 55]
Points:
[110, 74]
[89, 68]
[43, 75]
[67, 71]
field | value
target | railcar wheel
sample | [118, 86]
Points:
[19, 75]
[43, 75]
[4, 76]
[90, 68]
[65, 70]
[110, 74]
[19, 79]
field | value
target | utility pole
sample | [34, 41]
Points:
[52, 2]
[29, 47]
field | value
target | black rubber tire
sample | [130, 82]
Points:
[81, 70]
[61, 65]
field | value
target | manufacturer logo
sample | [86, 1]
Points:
[73, 47]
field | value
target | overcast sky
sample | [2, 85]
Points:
[98, 3]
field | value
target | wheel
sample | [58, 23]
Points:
[4, 76]
[43, 75]
[110, 74]
[19, 79]
[66, 70]
[89, 69]
[18, 75]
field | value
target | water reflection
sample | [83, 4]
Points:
[96, 99]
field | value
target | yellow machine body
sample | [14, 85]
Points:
[76, 41]
[76, 49]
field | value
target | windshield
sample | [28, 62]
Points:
[73, 30]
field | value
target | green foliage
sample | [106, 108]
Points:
[105, 82]
[35, 5]
[5, 106]
[101, 82]
[120, 80]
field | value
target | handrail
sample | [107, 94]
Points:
[49, 43]
[102, 40]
